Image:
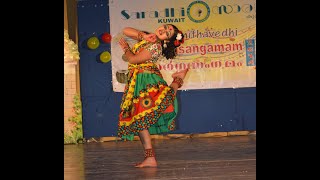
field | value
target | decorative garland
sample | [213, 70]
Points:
[71, 52]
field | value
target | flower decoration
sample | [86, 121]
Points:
[179, 39]
[179, 36]
[71, 52]
[176, 43]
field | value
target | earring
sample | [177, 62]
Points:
[165, 43]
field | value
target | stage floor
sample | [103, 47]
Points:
[218, 158]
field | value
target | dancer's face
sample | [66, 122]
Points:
[164, 32]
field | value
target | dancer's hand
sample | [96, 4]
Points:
[180, 74]
[123, 44]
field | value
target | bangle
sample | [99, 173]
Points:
[126, 49]
[178, 81]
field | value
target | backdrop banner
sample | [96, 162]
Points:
[219, 46]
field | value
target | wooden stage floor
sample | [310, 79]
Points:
[217, 158]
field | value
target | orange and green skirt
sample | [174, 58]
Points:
[147, 103]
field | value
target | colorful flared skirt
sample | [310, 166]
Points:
[147, 103]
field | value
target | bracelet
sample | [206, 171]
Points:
[126, 49]
[178, 81]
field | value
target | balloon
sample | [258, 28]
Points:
[105, 57]
[106, 38]
[93, 43]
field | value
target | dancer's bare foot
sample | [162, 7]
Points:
[180, 74]
[148, 162]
